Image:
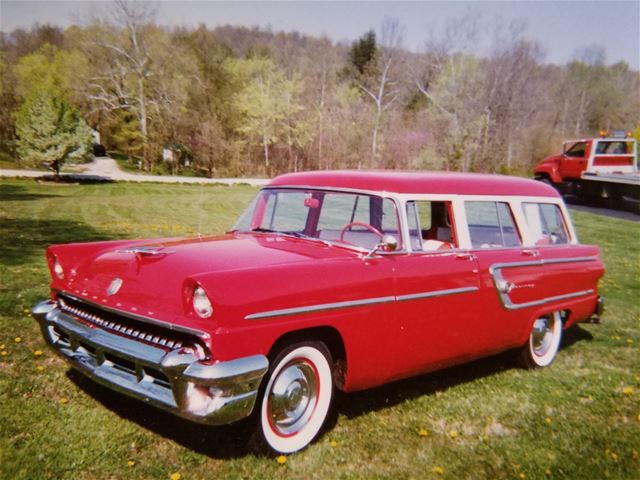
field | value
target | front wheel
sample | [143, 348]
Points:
[297, 398]
[544, 341]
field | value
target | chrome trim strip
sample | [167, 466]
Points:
[435, 293]
[534, 303]
[357, 303]
[498, 281]
[319, 308]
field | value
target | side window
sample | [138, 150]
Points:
[612, 148]
[546, 223]
[430, 225]
[577, 150]
[286, 212]
[491, 224]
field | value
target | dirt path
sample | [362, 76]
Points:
[106, 168]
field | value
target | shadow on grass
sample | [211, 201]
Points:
[13, 193]
[224, 442]
[233, 441]
[21, 239]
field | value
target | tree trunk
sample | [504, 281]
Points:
[265, 145]
[142, 117]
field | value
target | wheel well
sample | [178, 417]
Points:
[327, 335]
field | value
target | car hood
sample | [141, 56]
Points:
[148, 278]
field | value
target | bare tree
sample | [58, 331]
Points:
[122, 83]
[380, 84]
[453, 82]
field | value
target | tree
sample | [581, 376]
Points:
[377, 80]
[454, 84]
[270, 107]
[50, 130]
[140, 70]
[363, 52]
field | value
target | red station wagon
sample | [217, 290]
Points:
[329, 280]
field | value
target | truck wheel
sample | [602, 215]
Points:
[296, 399]
[545, 180]
[544, 341]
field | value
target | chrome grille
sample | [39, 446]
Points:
[126, 326]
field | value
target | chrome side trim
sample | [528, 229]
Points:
[499, 281]
[319, 308]
[435, 293]
[357, 303]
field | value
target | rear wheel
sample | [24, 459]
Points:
[544, 341]
[297, 397]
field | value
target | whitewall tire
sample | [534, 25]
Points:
[544, 341]
[297, 398]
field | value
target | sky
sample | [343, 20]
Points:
[562, 28]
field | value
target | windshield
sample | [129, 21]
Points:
[348, 218]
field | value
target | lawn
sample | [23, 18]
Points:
[578, 419]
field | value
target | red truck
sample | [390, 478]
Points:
[605, 167]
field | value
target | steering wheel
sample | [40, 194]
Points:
[359, 224]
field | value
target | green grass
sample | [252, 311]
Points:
[573, 419]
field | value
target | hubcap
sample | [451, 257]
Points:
[542, 335]
[293, 397]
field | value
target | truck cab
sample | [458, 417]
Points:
[605, 167]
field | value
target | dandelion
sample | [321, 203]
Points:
[547, 472]
[64, 400]
[614, 456]
[522, 476]
[131, 463]
[438, 470]
[333, 443]
[40, 368]
[38, 353]
[630, 341]
[423, 432]
[281, 460]
[548, 420]
[175, 476]
[17, 339]
[2, 347]
[453, 434]
[627, 390]
[4, 353]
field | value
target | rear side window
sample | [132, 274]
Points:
[491, 225]
[546, 223]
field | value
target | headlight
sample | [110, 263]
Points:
[57, 268]
[201, 303]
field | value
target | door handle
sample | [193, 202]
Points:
[466, 256]
[530, 253]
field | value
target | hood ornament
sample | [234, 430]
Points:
[114, 286]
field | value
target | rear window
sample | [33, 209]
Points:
[491, 225]
[546, 223]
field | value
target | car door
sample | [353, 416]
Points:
[496, 243]
[436, 292]
[574, 161]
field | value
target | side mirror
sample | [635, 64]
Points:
[389, 243]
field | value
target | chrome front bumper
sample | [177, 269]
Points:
[174, 380]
